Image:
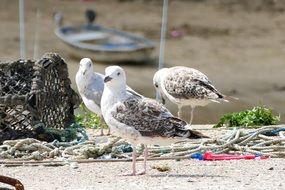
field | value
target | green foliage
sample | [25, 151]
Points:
[249, 118]
[88, 119]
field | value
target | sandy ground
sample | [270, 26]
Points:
[240, 48]
[186, 174]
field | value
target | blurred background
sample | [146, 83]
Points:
[238, 44]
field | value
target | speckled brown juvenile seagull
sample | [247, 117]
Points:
[186, 86]
[139, 119]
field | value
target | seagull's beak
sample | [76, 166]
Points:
[84, 71]
[107, 79]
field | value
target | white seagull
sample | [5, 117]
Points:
[90, 86]
[186, 86]
[138, 119]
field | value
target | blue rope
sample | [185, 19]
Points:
[274, 132]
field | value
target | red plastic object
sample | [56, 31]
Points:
[212, 157]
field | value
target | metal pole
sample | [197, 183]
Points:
[162, 38]
[36, 40]
[162, 34]
[22, 30]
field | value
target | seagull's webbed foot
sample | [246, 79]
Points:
[132, 173]
[128, 174]
[142, 172]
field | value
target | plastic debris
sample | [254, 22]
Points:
[209, 156]
[197, 156]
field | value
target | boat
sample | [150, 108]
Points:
[105, 44]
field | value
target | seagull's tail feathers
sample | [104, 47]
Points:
[230, 98]
[130, 90]
[225, 98]
[182, 129]
[196, 135]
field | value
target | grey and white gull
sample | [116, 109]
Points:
[139, 119]
[186, 86]
[90, 86]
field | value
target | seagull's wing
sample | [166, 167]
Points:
[94, 96]
[190, 83]
[131, 91]
[94, 89]
[150, 118]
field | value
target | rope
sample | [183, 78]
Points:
[59, 153]
[32, 149]
[238, 142]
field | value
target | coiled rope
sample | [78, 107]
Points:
[35, 152]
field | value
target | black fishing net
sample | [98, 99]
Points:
[35, 95]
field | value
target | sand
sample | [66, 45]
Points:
[184, 175]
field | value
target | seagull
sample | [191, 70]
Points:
[139, 119]
[90, 86]
[186, 86]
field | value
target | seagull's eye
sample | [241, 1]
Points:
[118, 73]
[156, 85]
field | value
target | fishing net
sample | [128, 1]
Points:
[35, 95]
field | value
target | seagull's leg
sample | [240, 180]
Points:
[145, 153]
[179, 113]
[108, 133]
[192, 114]
[101, 133]
[134, 154]
[101, 126]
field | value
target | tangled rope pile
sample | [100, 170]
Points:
[33, 149]
[236, 141]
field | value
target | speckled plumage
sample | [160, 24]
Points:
[150, 118]
[138, 119]
[187, 83]
[186, 86]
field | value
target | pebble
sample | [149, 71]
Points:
[190, 180]
[74, 165]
